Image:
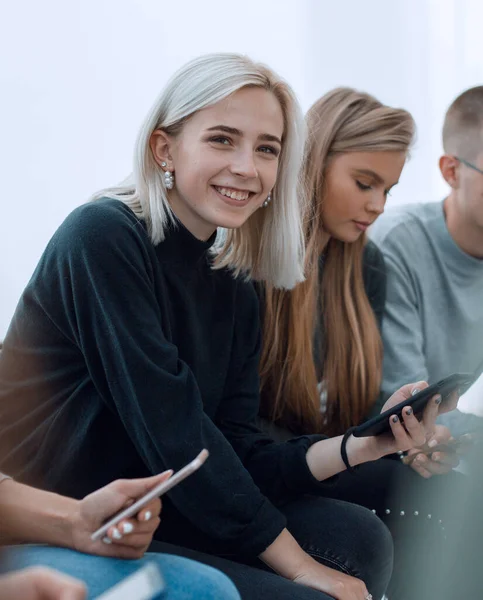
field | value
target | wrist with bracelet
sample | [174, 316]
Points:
[343, 451]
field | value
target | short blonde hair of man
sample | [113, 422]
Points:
[463, 125]
[269, 245]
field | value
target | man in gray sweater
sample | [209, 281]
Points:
[433, 320]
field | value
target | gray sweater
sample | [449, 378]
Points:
[433, 320]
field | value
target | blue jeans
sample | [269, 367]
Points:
[185, 579]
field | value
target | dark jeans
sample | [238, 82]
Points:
[414, 510]
[342, 536]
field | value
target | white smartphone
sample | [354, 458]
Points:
[157, 491]
[146, 583]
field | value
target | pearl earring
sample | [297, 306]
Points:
[267, 201]
[168, 177]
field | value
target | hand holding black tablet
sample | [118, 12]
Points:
[459, 382]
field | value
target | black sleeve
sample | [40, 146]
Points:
[111, 311]
[279, 469]
[375, 279]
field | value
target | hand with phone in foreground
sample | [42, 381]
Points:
[129, 538]
[31, 515]
[409, 432]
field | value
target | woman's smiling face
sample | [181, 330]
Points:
[225, 160]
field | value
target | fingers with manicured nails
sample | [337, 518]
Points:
[419, 386]
[430, 414]
[127, 526]
[135, 541]
[114, 534]
[153, 509]
[413, 427]
[400, 435]
[145, 528]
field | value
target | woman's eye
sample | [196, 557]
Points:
[363, 186]
[269, 150]
[219, 139]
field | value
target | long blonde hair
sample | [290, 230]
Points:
[344, 120]
[269, 246]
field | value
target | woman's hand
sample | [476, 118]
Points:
[286, 557]
[408, 433]
[337, 585]
[131, 537]
[40, 584]
[428, 463]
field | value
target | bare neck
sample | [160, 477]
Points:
[467, 235]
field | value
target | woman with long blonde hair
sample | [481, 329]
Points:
[321, 358]
[355, 153]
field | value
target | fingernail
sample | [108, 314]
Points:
[127, 528]
[395, 419]
[438, 400]
[147, 515]
[409, 411]
[116, 534]
[106, 540]
[415, 391]
[432, 443]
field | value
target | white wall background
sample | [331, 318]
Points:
[77, 77]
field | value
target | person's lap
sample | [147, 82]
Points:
[340, 535]
[185, 579]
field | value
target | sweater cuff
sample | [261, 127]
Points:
[296, 472]
[263, 530]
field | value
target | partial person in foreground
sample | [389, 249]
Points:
[43, 533]
[433, 320]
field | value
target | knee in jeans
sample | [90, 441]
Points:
[376, 540]
[223, 588]
[212, 584]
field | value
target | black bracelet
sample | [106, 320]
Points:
[343, 451]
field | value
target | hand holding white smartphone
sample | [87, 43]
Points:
[156, 492]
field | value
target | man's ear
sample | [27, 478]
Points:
[449, 167]
[161, 144]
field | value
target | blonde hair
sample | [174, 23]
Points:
[269, 245]
[344, 120]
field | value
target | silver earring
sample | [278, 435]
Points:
[267, 201]
[168, 180]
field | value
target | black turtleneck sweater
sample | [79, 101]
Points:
[124, 359]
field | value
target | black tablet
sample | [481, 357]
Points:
[458, 382]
